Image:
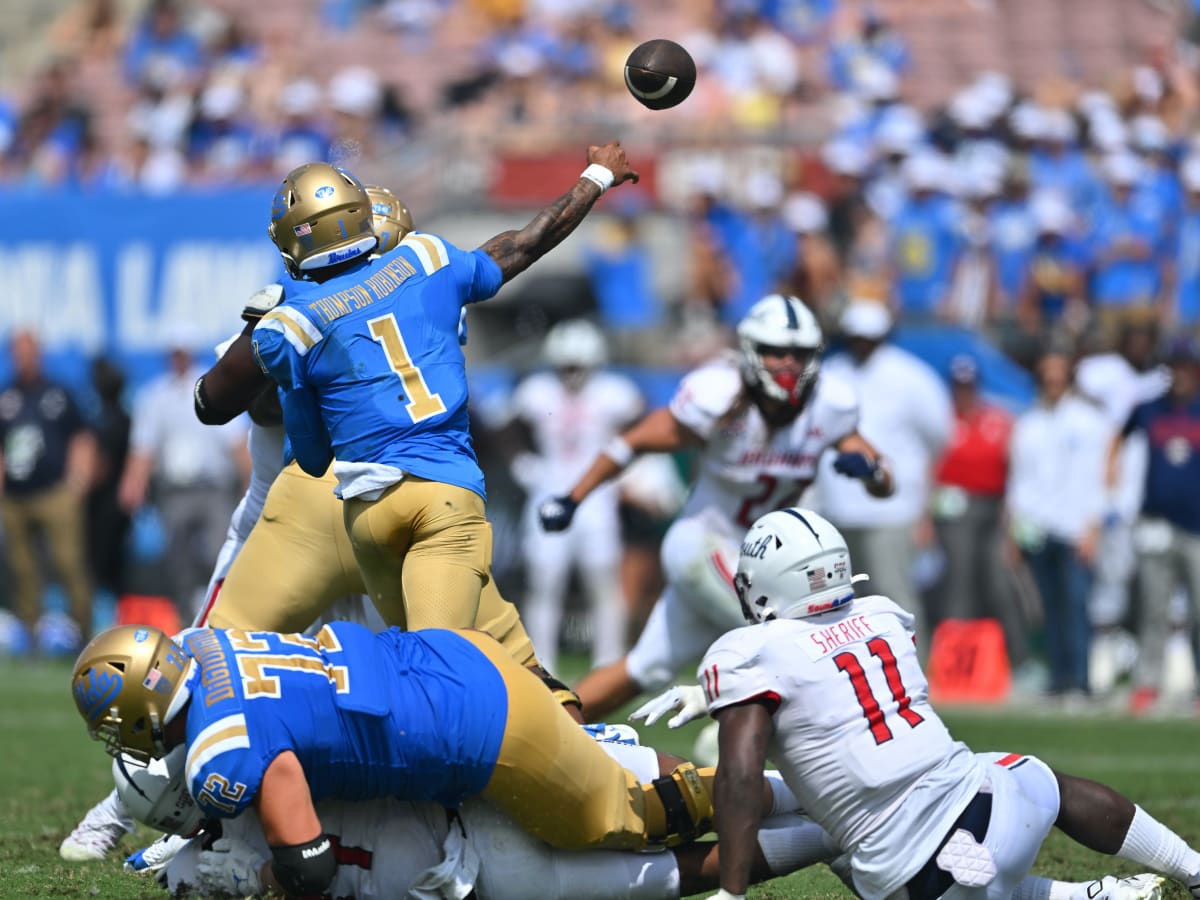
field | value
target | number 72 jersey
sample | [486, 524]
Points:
[854, 732]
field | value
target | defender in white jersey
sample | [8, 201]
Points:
[569, 415]
[761, 419]
[829, 688]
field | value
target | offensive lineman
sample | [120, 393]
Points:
[761, 420]
[829, 688]
[390, 848]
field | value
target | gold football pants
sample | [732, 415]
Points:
[297, 560]
[424, 549]
[555, 781]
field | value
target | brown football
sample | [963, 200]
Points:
[660, 74]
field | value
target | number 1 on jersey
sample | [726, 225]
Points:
[421, 403]
[847, 662]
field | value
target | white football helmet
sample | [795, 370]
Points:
[575, 344]
[793, 564]
[156, 794]
[780, 321]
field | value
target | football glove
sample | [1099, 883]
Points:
[687, 698]
[153, 859]
[856, 465]
[262, 302]
[230, 868]
[557, 512]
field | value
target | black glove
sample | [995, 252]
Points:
[855, 465]
[557, 512]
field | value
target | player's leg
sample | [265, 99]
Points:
[563, 788]
[424, 549]
[547, 569]
[598, 546]
[1108, 822]
[295, 562]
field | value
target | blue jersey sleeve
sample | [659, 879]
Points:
[223, 773]
[280, 342]
[310, 443]
[477, 274]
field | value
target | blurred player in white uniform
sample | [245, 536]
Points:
[761, 419]
[830, 689]
[571, 413]
[389, 848]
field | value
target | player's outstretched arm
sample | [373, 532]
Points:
[516, 251]
[745, 729]
[658, 432]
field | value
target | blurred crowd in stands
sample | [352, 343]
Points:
[1058, 222]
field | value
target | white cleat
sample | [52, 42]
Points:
[99, 832]
[1133, 887]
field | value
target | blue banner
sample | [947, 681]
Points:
[125, 276]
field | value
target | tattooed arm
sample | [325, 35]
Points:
[516, 251]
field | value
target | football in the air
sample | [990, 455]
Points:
[660, 74]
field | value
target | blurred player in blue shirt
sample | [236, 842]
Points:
[926, 240]
[366, 352]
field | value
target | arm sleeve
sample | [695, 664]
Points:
[731, 673]
[223, 771]
[475, 273]
[306, 430]
[273, 349]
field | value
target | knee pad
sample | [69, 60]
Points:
[563, 694]
[687, 803]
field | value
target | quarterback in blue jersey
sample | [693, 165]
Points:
[279, 721]
[365, 350]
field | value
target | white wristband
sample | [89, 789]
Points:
[619, 451]
[599, 175]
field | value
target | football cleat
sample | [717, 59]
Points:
[1133, 887]
[150, 860]
[99, 832]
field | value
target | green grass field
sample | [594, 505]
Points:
[52, 773]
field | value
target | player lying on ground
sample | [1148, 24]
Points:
[829, 688]
[390, 848]
[279, 721]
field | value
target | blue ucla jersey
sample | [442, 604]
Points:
[414, 715]
[378, 348]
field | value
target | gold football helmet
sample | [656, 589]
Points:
[321, 216]
[390, 218]
[129, 682]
